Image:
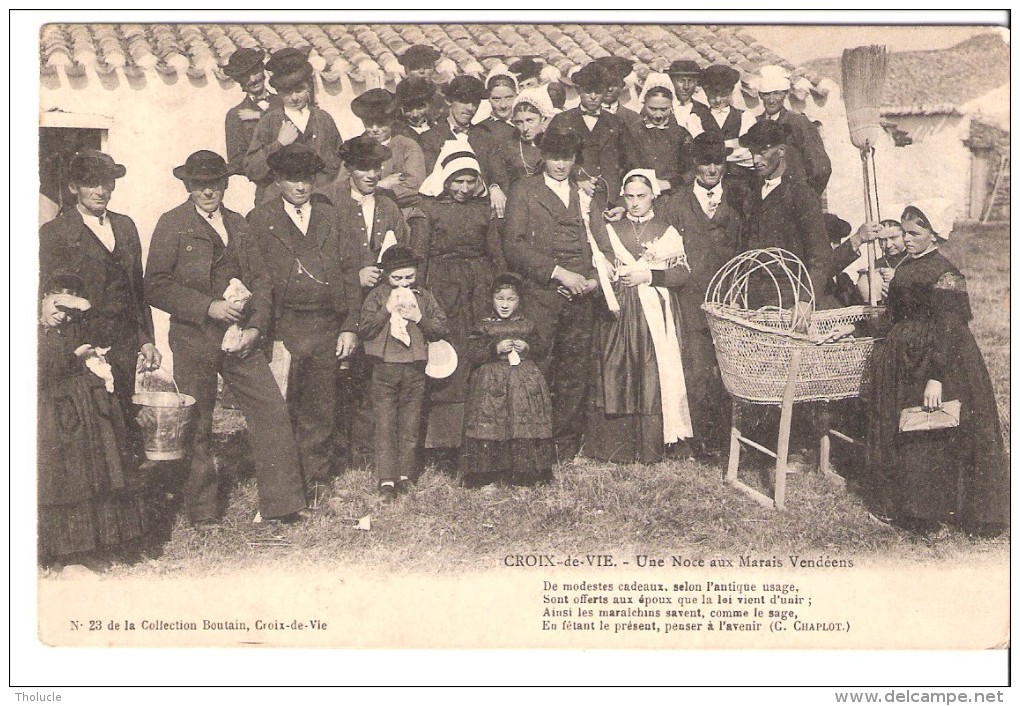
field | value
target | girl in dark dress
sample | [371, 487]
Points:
[458, 241]
[959, 475]
[87, 505]
[640, 402]
[508, 427]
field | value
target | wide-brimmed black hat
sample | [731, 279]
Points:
[243, 63]
[91, 167]
[526, 67]
[718, 79]
[683, 67]
[294, 161]
[836, 228]
[204, 165]
[397, 256]
[414, 91]
[709, 148]
[376, 105]
[283, 58]
[291, 74]
[419, 56]
[617, 66]
[559, 143]
[363, 153]
[592, 77]
[464, 89]
[766, 134]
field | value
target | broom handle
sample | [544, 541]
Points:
[867, 154]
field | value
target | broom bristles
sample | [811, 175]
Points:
[863, 81]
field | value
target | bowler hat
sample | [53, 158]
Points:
[559, 143]
[244, 62]
[836, 228]
[282, 58]
[464, 89]
[618, 67]
[418, 56]
[683, 67]
[291, 74]
[294, 161]
[526, 67]
[92, 167]
[362, 153]
[718, 79]
[397, 256]
[376, 105]
[414, 91]
[709, 148]
[203, 165]
[765, 134]
[591, 77]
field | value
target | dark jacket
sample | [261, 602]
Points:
[375, 327]
[239, 132]
[666, 151]
[186, 270]
[274, 231]
[809, 160]
[68, 246]
[601, 148]
[432, 142]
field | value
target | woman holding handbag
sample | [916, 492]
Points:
[929, 464]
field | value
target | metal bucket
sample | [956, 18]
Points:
[167, 420]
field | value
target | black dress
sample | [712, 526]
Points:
[957, 474]
[89, 499]
[508, 425]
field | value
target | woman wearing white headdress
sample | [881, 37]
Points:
[930, 363]
[654, 138]
[640, 402]
[518, 156]
[458, 240]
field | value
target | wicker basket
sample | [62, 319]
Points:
[755, 348]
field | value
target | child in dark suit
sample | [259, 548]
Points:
[397, 321]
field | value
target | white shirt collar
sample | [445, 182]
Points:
[641, 219]
[716, 190]
[215, 219]
[360, 197]
[100, 220]
[560, 188]
[298, 117]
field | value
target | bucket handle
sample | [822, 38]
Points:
[180, 397]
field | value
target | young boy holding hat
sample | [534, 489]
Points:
[246, 66]
[545, 241]
[298, 119]
[600, 133]
[367, 222]
[297, 236]
[398, 319]
[197, 249]
[404, 171]
[808, 158]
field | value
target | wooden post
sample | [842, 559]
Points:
[824, 446]
[785, 418]
[734, 462]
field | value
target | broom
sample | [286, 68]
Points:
[863, 80]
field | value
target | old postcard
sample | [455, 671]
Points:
[751, 498]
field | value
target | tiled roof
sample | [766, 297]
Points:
[937, 82]
[984, 135]
[362, 51]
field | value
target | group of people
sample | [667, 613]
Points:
[562, 254]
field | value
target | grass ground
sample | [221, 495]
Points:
[673, 507]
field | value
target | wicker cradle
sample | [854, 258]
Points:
[763, 361]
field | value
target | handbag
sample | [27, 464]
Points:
[918, 419]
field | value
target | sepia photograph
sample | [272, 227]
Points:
[549, 337]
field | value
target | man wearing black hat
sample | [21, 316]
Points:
[601, 134]
[419, 62]
[246, 66]
[464, 94]
[404, 171]
[414, 97]
[718, 82]
[691, 114]
[367, 220]
[710, 214]
[103, 249]
[618, 70]
[298, 119]
[196, 250]
[546, 242]
[527, 71]
[298, 239]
